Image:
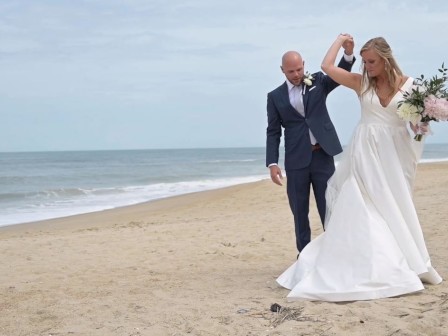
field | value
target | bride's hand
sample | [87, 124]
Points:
[424, 127]
[413, 127]
[421, 128]
[343, 37]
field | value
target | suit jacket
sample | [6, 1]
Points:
[281, 114]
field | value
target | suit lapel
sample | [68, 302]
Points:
[285, 95]
[305, 98]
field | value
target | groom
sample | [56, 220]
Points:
[298, 106]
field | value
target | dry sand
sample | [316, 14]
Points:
[198, 264]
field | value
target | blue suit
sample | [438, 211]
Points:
[303, 166]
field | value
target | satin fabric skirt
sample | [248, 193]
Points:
[373, 246]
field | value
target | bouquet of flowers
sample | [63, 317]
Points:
[428, 101]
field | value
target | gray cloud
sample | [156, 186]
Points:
[164, 61]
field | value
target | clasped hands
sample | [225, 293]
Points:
[347, 43]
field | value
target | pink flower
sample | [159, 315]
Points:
[436, 108]
[426, 101]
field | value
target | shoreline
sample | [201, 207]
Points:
[241, 180]
[143, 208]
[149, 202]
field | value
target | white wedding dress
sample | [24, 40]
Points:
[373, 245]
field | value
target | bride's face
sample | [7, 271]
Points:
[373, 63]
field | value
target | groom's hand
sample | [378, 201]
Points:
[276, 174]
[348, 43]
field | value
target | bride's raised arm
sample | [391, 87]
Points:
[339, 75]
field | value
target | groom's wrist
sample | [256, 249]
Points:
[348, 58]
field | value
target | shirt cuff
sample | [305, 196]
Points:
[272, 164]
[348, 58]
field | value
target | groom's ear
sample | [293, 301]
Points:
[281, 68]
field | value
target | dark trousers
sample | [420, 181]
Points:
[298, 188]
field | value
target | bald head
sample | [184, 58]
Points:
[291, 57]
[293, 67]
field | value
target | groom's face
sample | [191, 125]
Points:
[293, 68]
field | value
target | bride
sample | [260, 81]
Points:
[373, 245]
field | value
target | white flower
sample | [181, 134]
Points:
[307, 79]
[409, 112]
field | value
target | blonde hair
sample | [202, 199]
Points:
[393, 71]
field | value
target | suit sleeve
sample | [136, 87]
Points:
[273, 132]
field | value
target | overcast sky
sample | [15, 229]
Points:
[107, 74]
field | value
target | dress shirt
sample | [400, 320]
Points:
[296, 93]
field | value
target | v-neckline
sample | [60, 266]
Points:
[400, 89]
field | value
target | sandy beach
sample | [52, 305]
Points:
[199, 264]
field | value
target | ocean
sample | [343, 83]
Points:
[42, 185]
